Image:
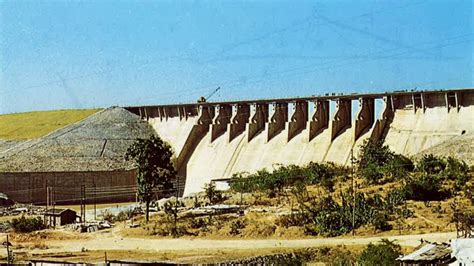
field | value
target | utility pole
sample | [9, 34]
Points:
[53, 202]
[83, 203]
[9, 253]
[176, 206]
[95, 202]
[353, 192]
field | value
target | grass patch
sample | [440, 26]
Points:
[31, 125]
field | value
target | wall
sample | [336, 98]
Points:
[30, 187]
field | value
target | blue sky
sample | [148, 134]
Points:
[83, 54]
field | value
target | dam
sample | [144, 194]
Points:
[214, 140]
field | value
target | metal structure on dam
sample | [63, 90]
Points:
[213, 140]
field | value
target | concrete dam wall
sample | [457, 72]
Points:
[215, 140]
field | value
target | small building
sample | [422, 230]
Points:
[54, 217]
[429, 254]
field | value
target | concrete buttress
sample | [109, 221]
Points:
[240, 117]
[221, 120]
[258, 118]
[298, 118]
[277, 120]
[320, 119]
[342, 118]
[199, 130]
[365, 117]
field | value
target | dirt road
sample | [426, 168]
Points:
[114, 242]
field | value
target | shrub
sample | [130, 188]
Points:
[458, 171]
[380, 222]
[108, 216]
[384, 253]
[374, 153]
[372, 173]
[213, 195]
[425, 187]
[236, 226]
[27, 225]
[398, 166]
[431, 164]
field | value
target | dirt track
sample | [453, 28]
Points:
[112, 242]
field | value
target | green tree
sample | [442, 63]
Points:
[384, 253]
[152, 157]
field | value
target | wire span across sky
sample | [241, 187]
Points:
[84, 54]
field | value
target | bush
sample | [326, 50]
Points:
[213, 195]
[458, 171]
[287, 176]
[27, 225]
[399, 166]
[236, 226]
[374, 153]
[384, 253]
[372, 173]
[431, 164]
[425, 187]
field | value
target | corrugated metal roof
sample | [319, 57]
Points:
[429, 252]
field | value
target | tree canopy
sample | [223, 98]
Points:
[155, 170]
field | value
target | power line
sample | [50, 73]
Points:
[225, 49]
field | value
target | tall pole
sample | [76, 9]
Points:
[53, 202]
[8, 251]
[95, 202]
[353, 193]
[176, 206]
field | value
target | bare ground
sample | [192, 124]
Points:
[77, 247]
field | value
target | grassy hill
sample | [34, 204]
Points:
[23, 126]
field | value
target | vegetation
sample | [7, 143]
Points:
[383, 253]
[287, 176]
[213, 195]
[320, 199]
[23, 126]
[27, 225]
[152, 157]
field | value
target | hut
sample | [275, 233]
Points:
[53, 217]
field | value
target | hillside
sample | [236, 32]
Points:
[31, 125]
[96, 143]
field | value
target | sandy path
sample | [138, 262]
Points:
[112, 242]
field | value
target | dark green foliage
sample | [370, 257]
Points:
[325, 216]
[372, 173]
[377, 164]
[384, 253]
[213, 195]
[431, 164]
[374, 153]
[394, 198]
[27, 225]
[152, 157]
[286, 176]
[456, 170]
[425, 187]
[398, 167]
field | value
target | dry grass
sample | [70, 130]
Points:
[24, 126]
[322, 255]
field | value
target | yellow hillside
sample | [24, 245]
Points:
[30, 125]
